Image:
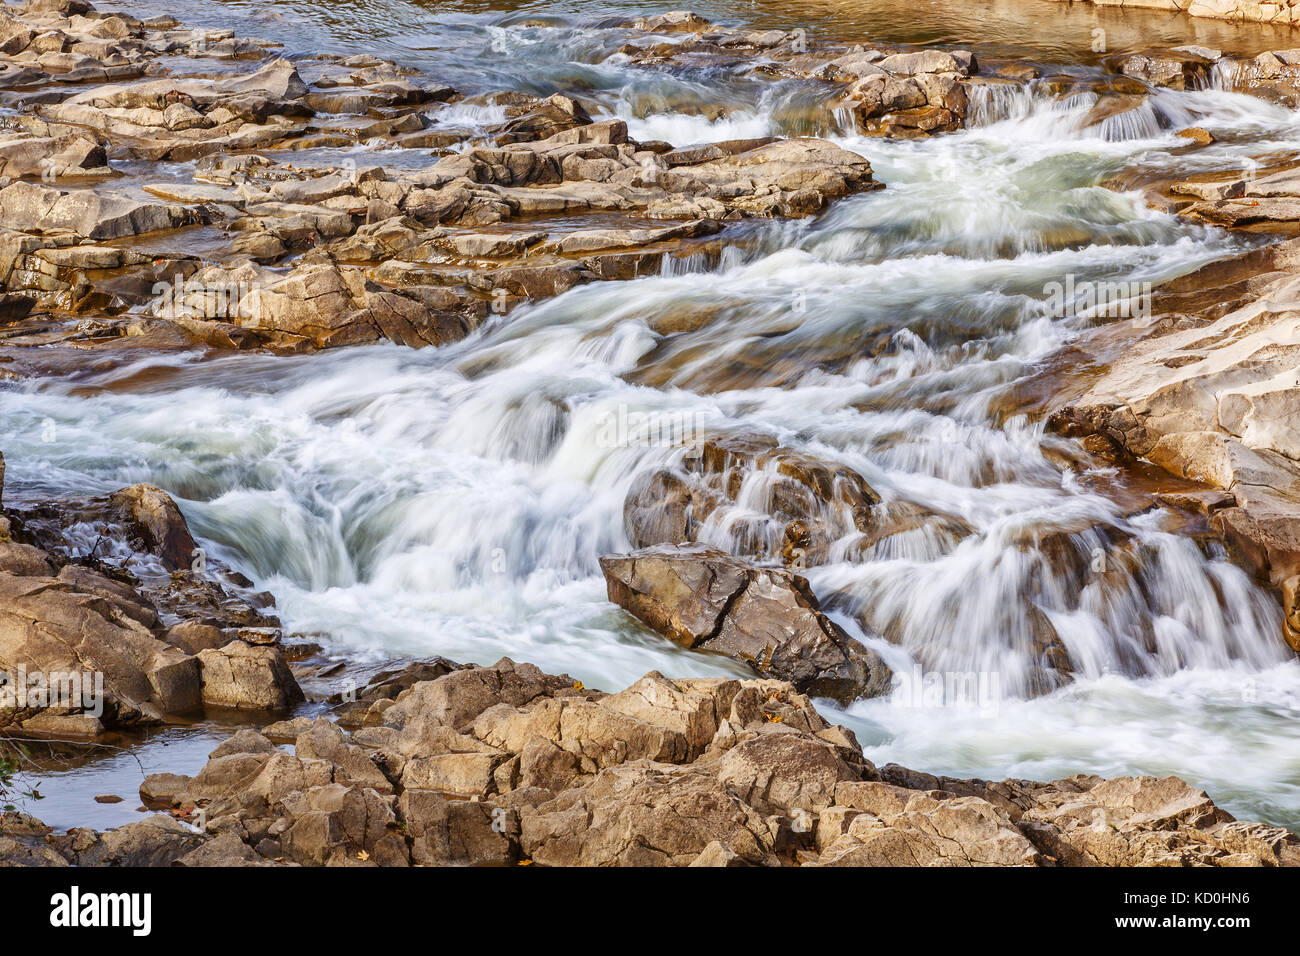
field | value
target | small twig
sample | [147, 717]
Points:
[24, 741]
[90, 556]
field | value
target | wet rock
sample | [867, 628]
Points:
[796, 506]
[51, 155]
[156, 841]
[1269, 202]
[1215, 403]
[678, 21]
[85, 213]
[704, 599]
[383, 687]
[1177, 70]
[324, 306]
[1291, 610]
[152, 514]
[547, 158]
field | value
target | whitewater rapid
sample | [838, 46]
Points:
[455, 500]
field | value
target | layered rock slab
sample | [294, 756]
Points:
[769, 618]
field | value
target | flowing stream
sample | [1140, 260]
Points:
[455, 500]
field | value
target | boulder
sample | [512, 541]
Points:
[66, 630]
[449, 832]
[158, 840]
[248, 678]
[1215, 402]
[796, 506]
[769, 618]
[154, 517]
[86, 213]
[889, 826]
[643, 814]
[337, 825]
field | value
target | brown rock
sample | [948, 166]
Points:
[767, 617]
[248, 678]
[154, 517]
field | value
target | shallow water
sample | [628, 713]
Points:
[455, 501]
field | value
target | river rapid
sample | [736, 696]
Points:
[455, 500]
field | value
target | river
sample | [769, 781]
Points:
[455, 500]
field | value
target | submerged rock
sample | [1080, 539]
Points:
[796, 507]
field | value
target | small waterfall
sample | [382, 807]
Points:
[991, 103]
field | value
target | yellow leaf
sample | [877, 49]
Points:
[525, 862]
[362, 855]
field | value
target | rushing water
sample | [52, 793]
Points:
[456, 500]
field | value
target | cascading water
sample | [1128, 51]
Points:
[455, 500]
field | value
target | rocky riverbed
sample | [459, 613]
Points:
[176, 198]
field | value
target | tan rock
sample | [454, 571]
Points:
[643, 814]
[247, 678]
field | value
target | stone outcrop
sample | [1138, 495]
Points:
[1258, 11]
[1266, 203]
[324, 256]
[507, 765]
[889, 91]
[807, 504]
[125, 631]
[706, 600]
[330, 255]
[1213, 397]
[797, 509]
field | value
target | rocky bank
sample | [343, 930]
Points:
[507, 765]
[303, 254]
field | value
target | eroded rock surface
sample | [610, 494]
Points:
[1215, 397]
[107, 621]
[769, 618]
[507, 765]
[320, 256]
